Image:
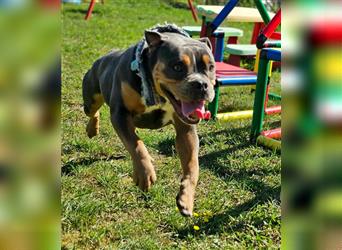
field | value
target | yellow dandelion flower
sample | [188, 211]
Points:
[206, 220]
[177, 209]
[196, 214]
[196, 228]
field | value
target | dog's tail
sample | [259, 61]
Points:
[85, 94]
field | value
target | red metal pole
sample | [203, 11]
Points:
[272, 25]
[203, 27]
[193, 11]
[272, 133]
[90, 9]
[276, 36]
[273, 110]
[256, 31]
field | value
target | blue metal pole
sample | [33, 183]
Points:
[223, 14]
[219, 46]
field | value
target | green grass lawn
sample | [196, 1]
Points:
[238, 195]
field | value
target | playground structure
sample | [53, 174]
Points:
[238, 14]
[269, 52]
[231, 75]
[228, 74]
[259, 16]
[268, 137]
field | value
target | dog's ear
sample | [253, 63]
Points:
[153, 38]
[206, 41]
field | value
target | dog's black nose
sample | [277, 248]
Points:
[205, 86]
[200, 85]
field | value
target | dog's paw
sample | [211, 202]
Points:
[185, 202]
[144, 175]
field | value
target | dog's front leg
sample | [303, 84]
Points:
[187, 147]
[143, 170]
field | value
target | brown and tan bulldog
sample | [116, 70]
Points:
[164, 79]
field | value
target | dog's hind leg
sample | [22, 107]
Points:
[93, 125]
[93, 100]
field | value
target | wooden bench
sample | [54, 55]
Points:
[236, 51]
[228, 32]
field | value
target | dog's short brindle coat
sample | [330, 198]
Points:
[182, 70]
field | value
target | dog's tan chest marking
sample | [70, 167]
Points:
[167, 118]
[146, 117]
[132, 99]
[154, 117]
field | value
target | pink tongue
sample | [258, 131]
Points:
[196, 108]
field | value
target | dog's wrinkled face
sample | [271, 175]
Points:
[183, 71]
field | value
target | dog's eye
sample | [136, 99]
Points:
[178, 67]
[211, 67]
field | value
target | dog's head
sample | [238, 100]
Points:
[183, 71]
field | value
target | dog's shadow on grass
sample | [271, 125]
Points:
[167, 146]
[261, 190]
[72, 165]
[215, 225]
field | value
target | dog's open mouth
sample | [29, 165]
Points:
[189, 112]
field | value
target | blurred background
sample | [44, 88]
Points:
[312, 124]
[29, 124]
[30, 88]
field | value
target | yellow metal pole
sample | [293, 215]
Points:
[269, 142]
[234, 115]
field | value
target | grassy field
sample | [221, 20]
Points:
[238, 195]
